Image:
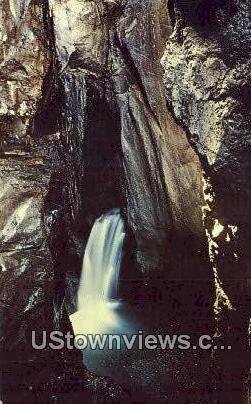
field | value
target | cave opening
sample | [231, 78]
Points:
[92, 173]
[123, 301]
[89, 184]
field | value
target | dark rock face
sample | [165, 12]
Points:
[207, 83]
[26, 264]
[153, 144]
[112, 48]
[207, 80]
[90, 120]
[41, 176]
[91, 152]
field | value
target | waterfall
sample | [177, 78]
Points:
[99, 308]
[102, 260]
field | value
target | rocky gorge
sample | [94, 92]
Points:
[142, 105]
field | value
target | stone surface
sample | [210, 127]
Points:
[160, 165]
[39, 208]
[207, 80]
[155, 193]
[91, 119]
[24, 61]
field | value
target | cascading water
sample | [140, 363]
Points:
[98, 289]
[100, 311]
[102, 260]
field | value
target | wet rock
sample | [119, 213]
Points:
[24, 60]
[207, 81]
[130, 63]
[159, 219]
[37, 200]
[88, 123]
[80, 31]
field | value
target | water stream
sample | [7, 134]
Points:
[99, 306]
[102, 260]
[148, 373]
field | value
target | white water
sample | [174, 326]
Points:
[100, 311]
[102, 260]
[98, 289]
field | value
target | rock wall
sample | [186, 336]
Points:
[162, 171]
[207, 81]
[91, 119]
[26, 263]
[41, 161]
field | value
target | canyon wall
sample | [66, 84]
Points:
[42, 132]
[162, 174]
[207, 81]
[142, 105]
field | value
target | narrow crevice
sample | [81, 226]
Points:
[134, 72]
[45, 121]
